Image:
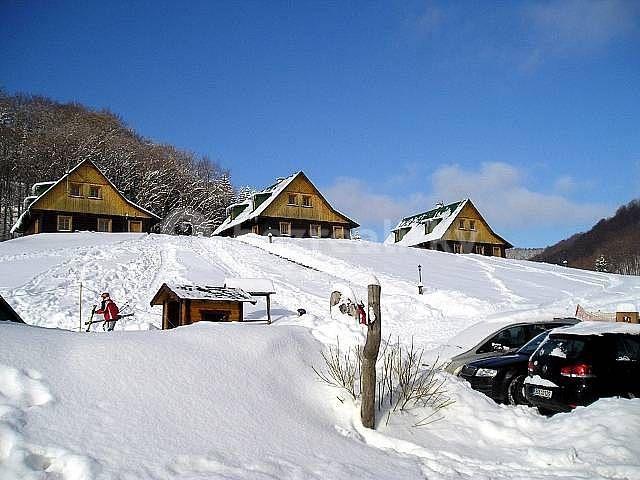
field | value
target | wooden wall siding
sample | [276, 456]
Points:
[482, 233]
[467, 247]
[197, 307]
[111, 203]
[299, 228]
[48, 222]
[320, 210]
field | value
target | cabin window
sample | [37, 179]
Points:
[255, 229]
[135, 226]
[75, 189]
[306, 201]
[430, 225]
[65, 223]
[457, 248]
[95, 191]
[461, 224]
[338, 232]
[479, 249]
[293, 199]
[285, 228]
[314, 231]
[497, 252]
[104, 224]
[472, 224]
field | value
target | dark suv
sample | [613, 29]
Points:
[580, 364]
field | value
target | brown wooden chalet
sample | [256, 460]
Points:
[83, 199]
[457, 228]
[187, 304]
[291, 207]
[7, 313]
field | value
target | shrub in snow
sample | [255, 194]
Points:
[403, 381]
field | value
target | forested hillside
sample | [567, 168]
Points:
[612, 245]
[41, 139]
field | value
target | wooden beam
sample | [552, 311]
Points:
[268, 309]
[370, 356]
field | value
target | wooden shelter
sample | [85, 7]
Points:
[457, 228]
[291, 207]
[7, 313]
[83, 199]
[256, 287]
[187, 304]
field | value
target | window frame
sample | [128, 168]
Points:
[130, 222]
[338, 228]
[457, 247]
[59, 218]
[99, 187]
[319, 230]
[288, 233]
[79, 185]
[498, 249]
[461, 224]
[306, 197]
[255, 229]
[478, 249]
[295, 201]
[472, 225]
[109, 225]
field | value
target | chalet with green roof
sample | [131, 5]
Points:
[457, 227]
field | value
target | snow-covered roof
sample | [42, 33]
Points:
[265, 198]
[601, 328]
[205, 292]
[250, 211]
[444, 215]
[18, 225]
[253, 286]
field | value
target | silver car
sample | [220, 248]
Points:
[505, 339]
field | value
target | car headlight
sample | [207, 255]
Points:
[457, 370]
[486, 372]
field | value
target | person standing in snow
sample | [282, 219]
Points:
[110, 310]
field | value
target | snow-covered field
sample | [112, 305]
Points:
[241, 400]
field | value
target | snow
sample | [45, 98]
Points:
[542, 382]
[251, 285]
[600, 328]
[241, 400]
[207, 292]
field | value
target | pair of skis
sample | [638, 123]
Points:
[91, 321]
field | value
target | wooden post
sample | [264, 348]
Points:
[268, 309]
[80, 329]
[370, 356]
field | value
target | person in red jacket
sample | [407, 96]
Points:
[110, 310]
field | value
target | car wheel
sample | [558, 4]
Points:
[515, 391]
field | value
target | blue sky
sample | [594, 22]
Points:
[530, 108]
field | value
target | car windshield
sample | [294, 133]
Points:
[531, 346]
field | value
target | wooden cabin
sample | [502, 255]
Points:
[83, 199]
[291, 207]
[187, 304]
[7, 313]
[456, 228]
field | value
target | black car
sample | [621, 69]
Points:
[501, 377]
[580, 364]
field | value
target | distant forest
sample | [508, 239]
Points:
[40, 140]
[612, 245]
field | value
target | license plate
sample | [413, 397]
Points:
[542, 392]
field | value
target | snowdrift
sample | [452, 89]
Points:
[241, 400]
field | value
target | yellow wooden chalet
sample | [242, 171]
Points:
[457, 227]
[83, 199]
[291, 207]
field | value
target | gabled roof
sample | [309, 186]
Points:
[445, 215]
[201, 292]
[18, 225]
[251, 210]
